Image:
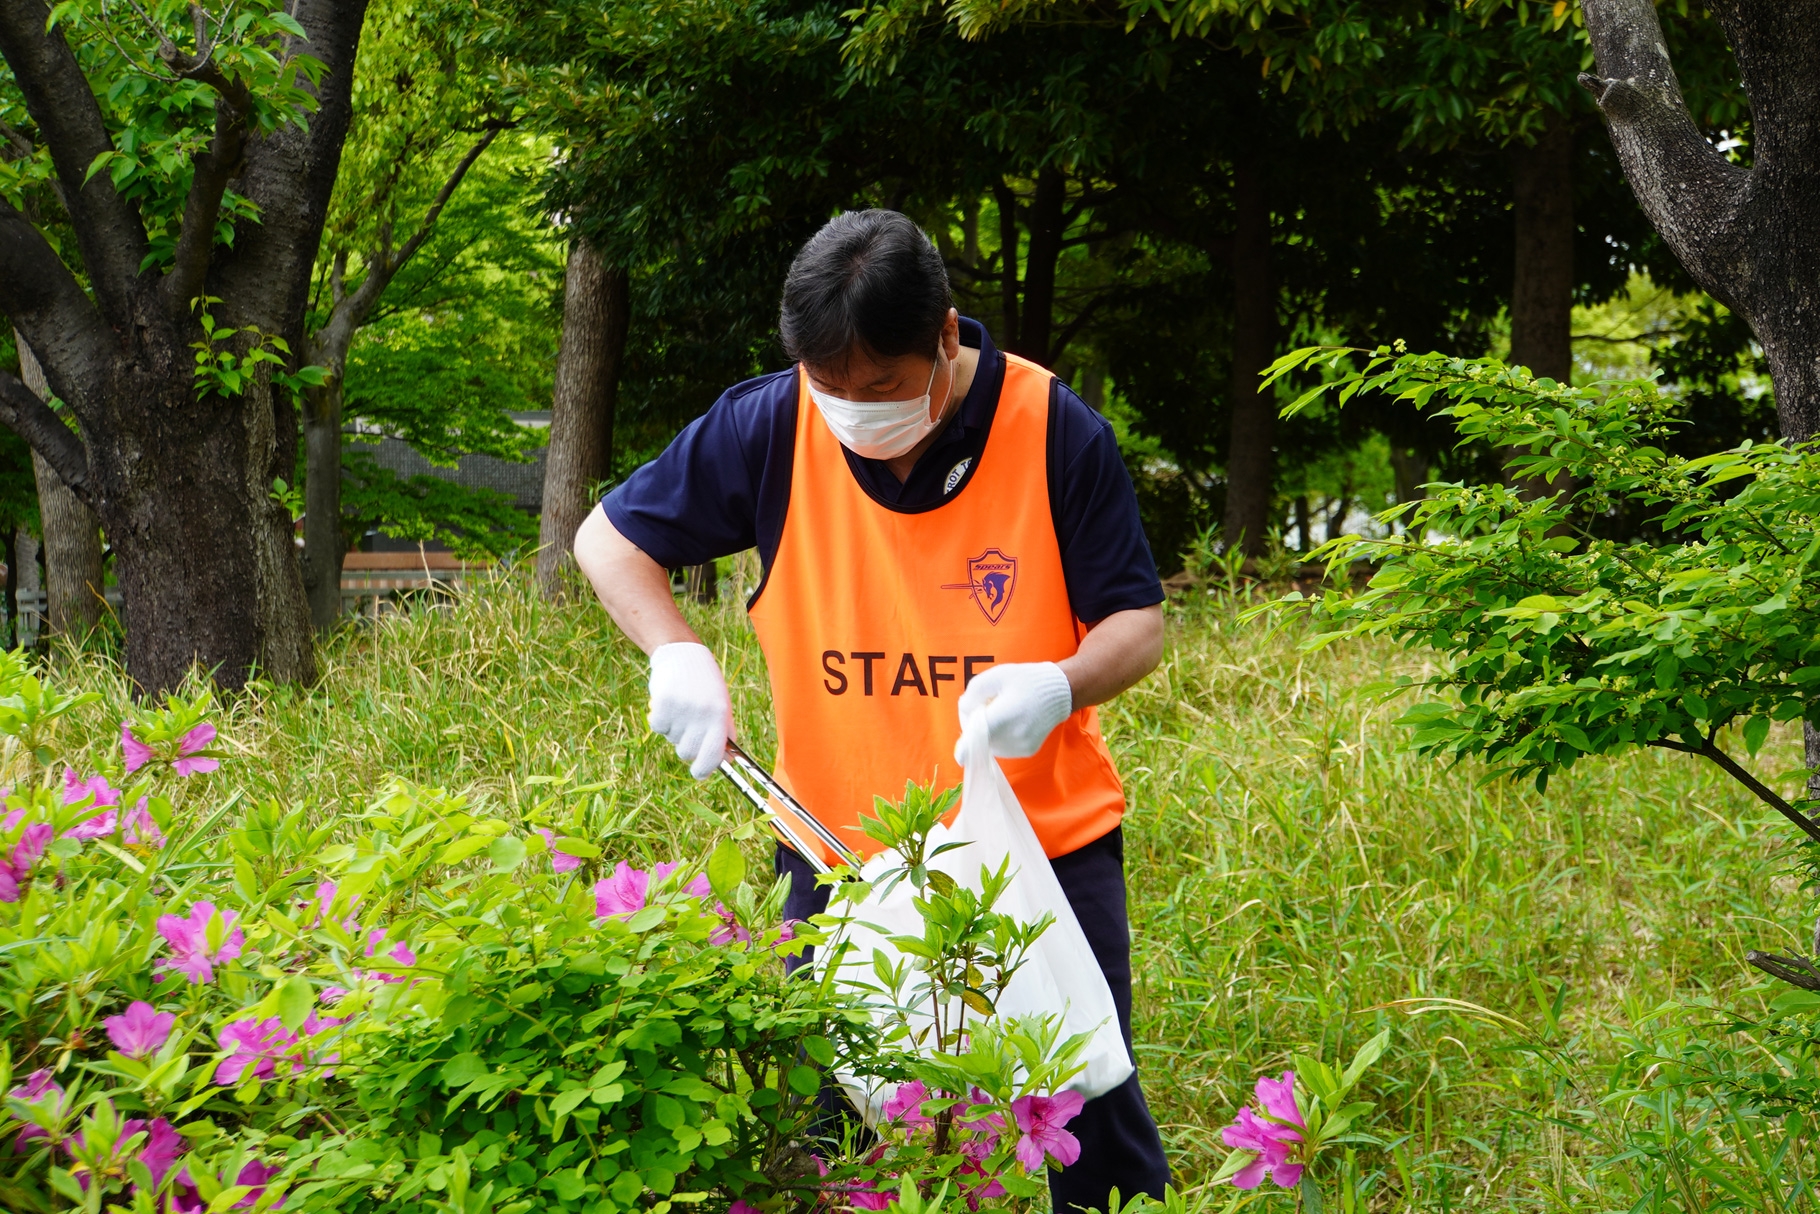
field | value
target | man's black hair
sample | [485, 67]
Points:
[869, 281]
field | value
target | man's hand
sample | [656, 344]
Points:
[1019, 703]
[689, 705]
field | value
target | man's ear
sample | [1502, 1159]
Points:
[951, 335]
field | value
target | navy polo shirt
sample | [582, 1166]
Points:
[721, 487]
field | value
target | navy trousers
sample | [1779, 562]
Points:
[1120, 1146]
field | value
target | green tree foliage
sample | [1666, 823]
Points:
[1561, 645]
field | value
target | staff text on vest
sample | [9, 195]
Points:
[908, 677]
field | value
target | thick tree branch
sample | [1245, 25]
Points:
[217, 166]
[32, 420]
[44, 300]
[57, 95]
[1689, 190]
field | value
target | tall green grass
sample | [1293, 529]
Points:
[1298, 880]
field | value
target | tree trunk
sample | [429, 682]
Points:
[72, 535]
[1251, 454]
[323, 547]
[284, 645]
[1750, 237]
[11, 542]
[1542, 287]
[1008, 283]
[1410, 472]
[23, 579]
[1542, 290]
[596, 310]
[1045, 220]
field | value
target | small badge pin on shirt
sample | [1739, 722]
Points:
[955, 474]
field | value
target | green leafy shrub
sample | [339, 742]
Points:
[433, 1005]
[1559, 644]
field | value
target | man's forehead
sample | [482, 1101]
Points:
[865, 370]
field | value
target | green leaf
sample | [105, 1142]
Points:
[1755, 731]
[805, 1080]
[566, 1102]
[667, 1112]
[646, 919]
[507, 852]
[462, 1070]
[820, 1049]
[726, 868]
[295, 999]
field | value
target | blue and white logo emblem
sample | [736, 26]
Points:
[992, 577]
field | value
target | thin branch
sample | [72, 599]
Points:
[448, 190]
[1763, 792]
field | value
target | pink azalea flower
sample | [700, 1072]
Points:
[905, 1107]
[163, 1145]
[138, 754]
[26, 853]
[30, 848]
[140, 828]
[258, 1045]
[987, 1125]
[983, 1187]
[1277, 1098]
[621, 895]
[38, 1088]
[700, 887]
[1040, 1120]
[75, 790]
[400, 952]
[1273, 1144]
[324, 898]
[188, 939]
[100, 826]
[334, 994]
[139, 1031]
[560, 861]
[729, 929]
[191, 742]
[742, 1206]
[97, 825]
[186, 1200]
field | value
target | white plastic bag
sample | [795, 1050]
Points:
[1059, 976]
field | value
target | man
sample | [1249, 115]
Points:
[935, 520]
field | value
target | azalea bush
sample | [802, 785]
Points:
[427, 1004]
[1290, 1132]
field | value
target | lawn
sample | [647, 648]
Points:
[1298, 879]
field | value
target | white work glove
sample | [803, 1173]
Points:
[689, 705]
[1018, 703]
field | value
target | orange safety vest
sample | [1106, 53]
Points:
[873, 620]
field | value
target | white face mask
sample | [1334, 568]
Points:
[880, 429]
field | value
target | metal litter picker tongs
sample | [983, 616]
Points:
[760, 789]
